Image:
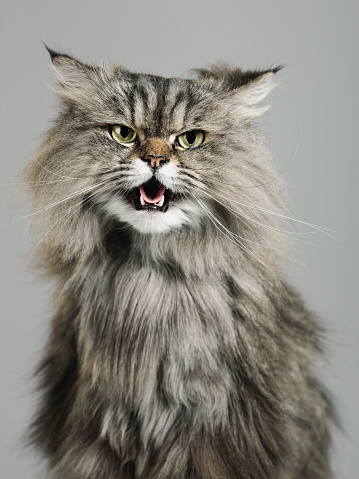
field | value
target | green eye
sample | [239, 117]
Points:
[123, 134]
[191, 139]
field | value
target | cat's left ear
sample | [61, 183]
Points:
[249, 89]
[242, 90]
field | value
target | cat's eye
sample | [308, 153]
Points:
[123, 134]
[191, 139]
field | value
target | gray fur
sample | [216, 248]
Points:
[181, 351]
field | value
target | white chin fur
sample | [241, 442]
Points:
[147, 221]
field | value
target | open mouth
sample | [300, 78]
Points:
[151, 196]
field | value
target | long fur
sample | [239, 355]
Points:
[178, 348]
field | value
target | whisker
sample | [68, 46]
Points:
[57, 174]
[40, 210]
[258, 208]
[77, 205]
[66, 198]
[247, 204]
[269, 246]
[321, 229]
[108, 187]
[232, 237]
[73, 208]
[30, 184]
[240, 218]
[238, 212]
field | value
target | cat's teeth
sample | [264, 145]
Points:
[159, 203]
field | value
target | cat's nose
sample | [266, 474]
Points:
[155, 151]
[155, 160]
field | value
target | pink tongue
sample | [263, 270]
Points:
[156, 199]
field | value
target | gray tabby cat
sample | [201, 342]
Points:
[178, 348]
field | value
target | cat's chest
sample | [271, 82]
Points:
[145, 331]
[158, 346]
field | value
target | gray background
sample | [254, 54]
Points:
[313, 130]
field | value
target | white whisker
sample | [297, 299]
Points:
[321, 229]
[57, 174]
[232, 237]
[258, 208]
[66, 198]
[74, 209]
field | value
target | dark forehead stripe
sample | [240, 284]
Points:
[179, 98]
[151, 94]
[140, 104]
[159, 105]
[173, 102]
[146, 97]
[190, 102]
[162, 93]
[143, 94]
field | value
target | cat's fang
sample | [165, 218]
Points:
[142, 201]
[162, 200]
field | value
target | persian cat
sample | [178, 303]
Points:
[178, 349]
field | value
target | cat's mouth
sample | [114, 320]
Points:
[152, 195]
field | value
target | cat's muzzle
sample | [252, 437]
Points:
[151, 195]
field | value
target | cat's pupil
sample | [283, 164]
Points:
[191, 136]
[124, 131]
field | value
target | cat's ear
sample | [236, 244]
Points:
[252, 88]
[77, 80]
[242, 90]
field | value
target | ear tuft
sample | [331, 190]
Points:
[77, 80]
[231, 78]
[242, 89]
[257, 86]
[52, 53]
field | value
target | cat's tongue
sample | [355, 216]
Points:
[152, 191]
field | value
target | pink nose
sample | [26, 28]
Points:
[155, 160]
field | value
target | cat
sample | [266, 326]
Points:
[179, 349]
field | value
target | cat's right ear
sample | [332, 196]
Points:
[77, 81]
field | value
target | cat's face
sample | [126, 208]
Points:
[158, 147]
[157, 154]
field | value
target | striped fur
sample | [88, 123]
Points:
[178, 348]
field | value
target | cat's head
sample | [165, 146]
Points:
[155, 154]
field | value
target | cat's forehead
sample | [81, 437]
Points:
[158, 103]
